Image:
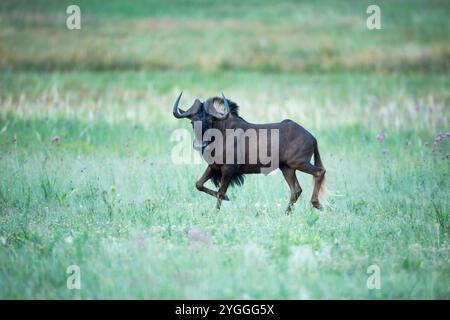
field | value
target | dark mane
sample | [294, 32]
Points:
[234, 108]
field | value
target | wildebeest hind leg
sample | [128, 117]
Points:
[318, 176]
[205, 177]
[294, 186]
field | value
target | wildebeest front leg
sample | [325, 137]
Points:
[205, 177]
[224, 183]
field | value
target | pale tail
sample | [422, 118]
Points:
[323, 188]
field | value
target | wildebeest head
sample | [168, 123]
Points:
[202, 115]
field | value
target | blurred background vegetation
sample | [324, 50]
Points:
[213, 36]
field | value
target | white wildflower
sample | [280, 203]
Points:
[68, 239]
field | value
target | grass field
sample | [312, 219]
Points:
[86, 136]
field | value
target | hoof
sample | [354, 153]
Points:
[288, 210]
[317, 205]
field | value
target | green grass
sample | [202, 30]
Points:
[108, 198]
[110, 185]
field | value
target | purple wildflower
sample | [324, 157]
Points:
[141, 239]
[56, 139]
[439, 137]
[380, 137]
[199, 236]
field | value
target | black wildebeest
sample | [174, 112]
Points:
[296, 146]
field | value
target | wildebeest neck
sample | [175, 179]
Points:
[233, 122]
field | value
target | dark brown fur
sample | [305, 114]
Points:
[296, 148]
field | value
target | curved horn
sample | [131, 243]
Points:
[225, 102]
[212, 111]
[178, 113]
